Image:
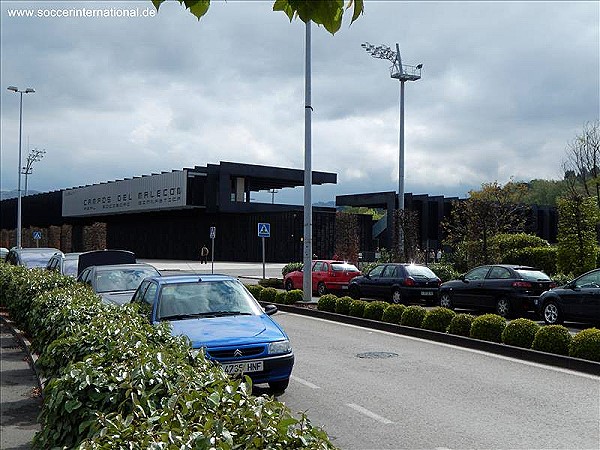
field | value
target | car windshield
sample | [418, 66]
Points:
[416, 271]
[339, 267]
[36, 259]
[125, 279]
[205, 299]
[533, 275]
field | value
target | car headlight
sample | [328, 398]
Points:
[280, 347]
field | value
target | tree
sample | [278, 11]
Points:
[545, 192]
[492, 210]
[346, 237]
[582, 163]
[577, 242]
[328, 13]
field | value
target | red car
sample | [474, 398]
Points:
[327, 275]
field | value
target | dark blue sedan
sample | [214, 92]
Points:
[222, 319]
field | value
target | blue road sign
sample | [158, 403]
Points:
[264, 230]
[213, 232]
[37, 235]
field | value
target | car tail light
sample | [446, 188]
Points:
[521, 284]
[439, 283]
[553, 285]
[409, 282]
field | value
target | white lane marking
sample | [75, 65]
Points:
[304, 382]
[465, 349]
[368, 413]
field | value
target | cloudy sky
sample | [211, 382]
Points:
[505, 86]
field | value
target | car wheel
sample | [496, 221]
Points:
[354, 292]
[552, 314]
[446, 300]
[289, 285]
[503, 307]
[321, 289]
[278, 387]
[396, 296]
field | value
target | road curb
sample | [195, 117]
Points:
[565, 362]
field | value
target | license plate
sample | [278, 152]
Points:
[243, 367]
[426, 293]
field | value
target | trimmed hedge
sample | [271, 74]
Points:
[342, 305]
[461, 324]
[393, 314]
[255, 290]
[488, 327]
[357, 308]
[374, 310]
[281, 297]
[290, 267]
[293, 296]
[327, 302]
[276, 283]
[268, 295]
[520, 333]
[586, 345]
[438, 319]
[413, 316]
[552, 339]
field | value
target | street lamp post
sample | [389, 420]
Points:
[26, 91]
[33, 156]
[402, 73]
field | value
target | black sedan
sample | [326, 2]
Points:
[398, 283]
[578, 300]
[507, 289]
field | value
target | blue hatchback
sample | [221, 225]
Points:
[221, 318]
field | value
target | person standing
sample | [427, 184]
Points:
[204, 255]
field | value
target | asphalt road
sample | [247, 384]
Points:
[421, 394]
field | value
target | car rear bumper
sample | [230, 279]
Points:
[337, 286]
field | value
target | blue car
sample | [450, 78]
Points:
[222, 319]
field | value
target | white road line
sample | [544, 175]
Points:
[471, 350]
[368, 413]
[304, 382]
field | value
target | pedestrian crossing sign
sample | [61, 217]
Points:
[264, 230]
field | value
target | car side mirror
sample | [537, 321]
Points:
[462, 278]
[270, 309]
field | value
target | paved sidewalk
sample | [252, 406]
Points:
[20, 400]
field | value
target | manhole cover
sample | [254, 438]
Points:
[377, 355]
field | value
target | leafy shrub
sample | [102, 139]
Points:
[327, 302]
[293, 296]
[374, 310]
[438, 319]
[281, 297]
[543, 258]
[276, 283]
[268, 295]
[290, 267]
[255, 290]
[552, 339]
[393, 313]
[586, 345]
[342, 305]
[357, 308]
[413, 316]
[444, 271]
[488, 327]
[461, 324]
[520, 333]
[561, 278]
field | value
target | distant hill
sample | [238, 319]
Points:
[6, 195]
[329, 204]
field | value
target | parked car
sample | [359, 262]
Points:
[3, 253]
[116, 283]
[578, 300]
[507, 289]
[104, 257]
[221, 318]
[327, 276]
[398, 283]
[31, 257]
[65, 264]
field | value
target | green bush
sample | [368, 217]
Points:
[488, 327]
[461, 324]
[520, 333]
[374, 310]
[255, 290]
[290, 267]
[327, 302]
[342, 305]
[413, 316]
[293, 296]
[552, 339]
[281, 297]
[438, 319]
[276, 283]
[561, 278]
[393, 314]
[444, 271]
[586, 345]
[357, 308]
[268, 295]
